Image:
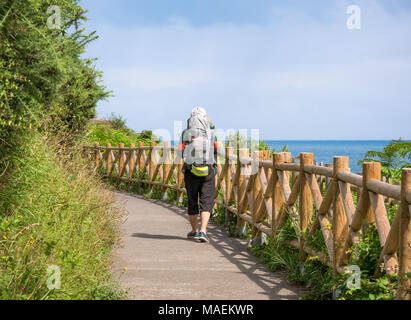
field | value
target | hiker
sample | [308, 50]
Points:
[198, 146]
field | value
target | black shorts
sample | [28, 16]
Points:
[200, 187]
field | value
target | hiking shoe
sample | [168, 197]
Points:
[203, 237]
[193, 235]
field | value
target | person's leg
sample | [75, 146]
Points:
[194, 222]
[205, 218]
[192, 196]
[207, 196]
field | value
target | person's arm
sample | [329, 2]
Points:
[217, 143]
[182, 145]
[212, 127]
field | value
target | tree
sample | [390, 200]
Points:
[117, 121]
[45, 84]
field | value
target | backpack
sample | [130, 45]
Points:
[198, 153]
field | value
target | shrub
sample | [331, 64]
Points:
[115, 133]
[394, 157]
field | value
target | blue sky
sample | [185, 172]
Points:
[289, 68]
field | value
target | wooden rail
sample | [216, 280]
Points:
[265, 192]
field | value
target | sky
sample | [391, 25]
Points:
[291, 69]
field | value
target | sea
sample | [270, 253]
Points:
[325, 150]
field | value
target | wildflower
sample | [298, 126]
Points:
[4, 237]
[6, 222]
[125, 269]
[21, 217]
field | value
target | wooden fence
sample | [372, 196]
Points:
[265, 192]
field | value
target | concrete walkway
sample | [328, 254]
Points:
[163, 265]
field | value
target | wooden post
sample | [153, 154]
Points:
[306, 202]
[380, 213]
[96, 159]
[228, 183]
[241, 188]
[340, 226]
[151, 163]
[294, 175]
[359, 189]
[287, 159]
[371, 170]
[277, 195]
[259, 238]
[405, 238]
[140, 158]
[121, 160]
[166, 165]
[180, 181]
[322, 181]
[131, 162]
[363, 212]
[109, 167]
[140, 163]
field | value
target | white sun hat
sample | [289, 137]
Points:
[198, 111]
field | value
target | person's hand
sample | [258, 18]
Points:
[211, 124]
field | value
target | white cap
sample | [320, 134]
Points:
[198, 111]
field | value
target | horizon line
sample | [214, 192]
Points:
[406, 140]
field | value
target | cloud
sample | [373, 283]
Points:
[250, 74]
[149, 79]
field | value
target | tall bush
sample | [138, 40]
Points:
[45, 83]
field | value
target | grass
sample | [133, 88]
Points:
[55, 212]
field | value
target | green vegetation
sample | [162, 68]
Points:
[319, 280]
[237, 140]
[45, 84]
[52, 208]
[54, 212]
[321, 283]
[114, 131]
[394, 157]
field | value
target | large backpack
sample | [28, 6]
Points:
[199, 146]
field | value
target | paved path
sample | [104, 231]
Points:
[162, 264]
